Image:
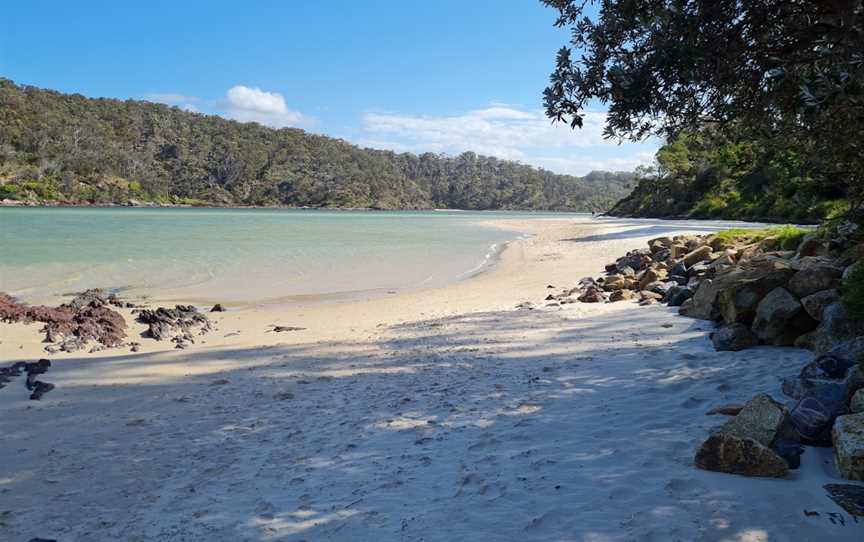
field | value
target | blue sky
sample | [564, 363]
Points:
[410, 75]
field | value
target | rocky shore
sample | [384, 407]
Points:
[763, 293]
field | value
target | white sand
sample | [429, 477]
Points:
[434, 415]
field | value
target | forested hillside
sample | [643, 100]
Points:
[65, 147]
[707, 175]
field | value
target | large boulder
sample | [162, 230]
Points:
[812, 245]
[733, 337]
[613, 282]
[738, 301]
[743, 445]
[780, 318]
[700, 254]
[740, 455]
[677, 295]
[659, 244]
[815, 304]
[815, 278]
[760, 420]
[848, 438]
[838, 331]
[747, 283]
[650, 276]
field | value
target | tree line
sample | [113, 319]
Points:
[56, 147]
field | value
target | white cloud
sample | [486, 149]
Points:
[510, 133]
[248, 104]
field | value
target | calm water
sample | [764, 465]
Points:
[239, 254]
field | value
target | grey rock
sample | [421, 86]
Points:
[733, 337]
[816, 303]
[780, 318]
[815, 278]
[848, 438]
[740, 455]
[837, 331]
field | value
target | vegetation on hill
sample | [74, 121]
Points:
[705, 175]
[57, 146]
[761, 101]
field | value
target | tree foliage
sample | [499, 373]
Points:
[787, 72]
[706, 174]
[61, 146]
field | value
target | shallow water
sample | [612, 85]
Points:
[252, 255]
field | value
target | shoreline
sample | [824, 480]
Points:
[438, 414]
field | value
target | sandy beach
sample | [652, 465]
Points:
[435, 415]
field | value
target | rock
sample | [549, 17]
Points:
[658, 244]
[790, 451]
[636, 260]
[816, 303]
[627, 272]
[621, 295]
[856, 405]
[592, 295]
[726, 410]
[815, 278]
[742, 445]
[651, 275]
[677, 250]
[838, 331]
[677, 295]
[217, 308]
[827, 366]
[740, 455]
[780, 318]
[679, 269]
[662, 255]
[701, 254]
[812, 420]
[733, 337]
[659, 287]
[701, 269]
[647, 301]
[760, 419]
[613, 282]
[701, 304]
[39, 389]
[848, 497]
[748, 281]
[741, 294]
[811, 245]
[645, 294]
[848, 438]
[164, 323]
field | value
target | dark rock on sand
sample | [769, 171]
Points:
[740, 455]
[790, 451]
[780, 318]
[812, 419]
[742, 444]
[86, 318]
[849, 497]
[733, 338]
[182, 320]
[217, 308]
[848, 439]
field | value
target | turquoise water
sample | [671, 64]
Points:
[253, 255]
